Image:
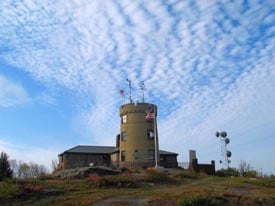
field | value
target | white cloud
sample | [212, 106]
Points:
[12, 94]
[46, 99]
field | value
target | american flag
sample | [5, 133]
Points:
[121, 92]
[150, 115]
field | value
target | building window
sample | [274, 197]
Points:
[136, 154]
[150, 134]
[151, 154]
[123, 156]
[123, 136]
[124, 118]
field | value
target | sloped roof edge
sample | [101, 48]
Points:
[103, 150]
[163, 152]
[91, 149]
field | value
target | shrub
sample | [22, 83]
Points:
[94, 180]
[21, 189]
[187, 175]
[7, 190]
[196, 200]
[157, 176]
[228, 172]
[119, 181]
[30, 188]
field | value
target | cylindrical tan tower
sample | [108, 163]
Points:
[138, 135]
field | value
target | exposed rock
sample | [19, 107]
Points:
[83, 172]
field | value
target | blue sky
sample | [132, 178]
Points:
[208, 65]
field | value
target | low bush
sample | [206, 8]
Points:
[196, 200]
[228, 172]
[119, 181]
[94, 181]
[187, 175]
[19, 189]
[7, 190]
[158, 176]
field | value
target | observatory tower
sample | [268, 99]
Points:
[138, 139]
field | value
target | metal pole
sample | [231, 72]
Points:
[130, 88]
[155, 132]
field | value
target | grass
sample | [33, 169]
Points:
[174, 188]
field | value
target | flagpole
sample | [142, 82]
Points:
[155, 132]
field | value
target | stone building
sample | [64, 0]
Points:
[85, 156]
[136, 144]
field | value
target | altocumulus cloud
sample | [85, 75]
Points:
[12, 94]
[205, 63]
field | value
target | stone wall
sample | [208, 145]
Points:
[206, 168]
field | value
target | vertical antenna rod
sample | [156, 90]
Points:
[130, 88]
[142, 87]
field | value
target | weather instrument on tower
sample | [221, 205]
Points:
[225, 153]
[130, 90]
[142, 88]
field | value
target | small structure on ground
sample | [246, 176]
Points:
[195, 166]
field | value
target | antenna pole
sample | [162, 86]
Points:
[142, 88]
[130, 89]
[156, 137]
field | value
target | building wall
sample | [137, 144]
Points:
[115, 159]
[206, 168]
[168, 161]
[137, 147]
[75, 160]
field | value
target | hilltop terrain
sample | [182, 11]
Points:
[144, 187]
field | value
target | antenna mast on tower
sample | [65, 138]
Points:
[130, 89]
[142, 88]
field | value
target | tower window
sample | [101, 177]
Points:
[123, 136]
[136, 154]
[151, 154]
[150, 134]
[124, 118]
[123, 156]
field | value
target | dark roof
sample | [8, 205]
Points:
[162, 152]
[103, 150]
[92, 149]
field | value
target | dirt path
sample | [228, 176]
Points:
[123, 201]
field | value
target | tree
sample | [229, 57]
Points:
[15, 167]
[246, 170]
[5, 169]
[55, 165]
[31, 170]
[231, 171]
